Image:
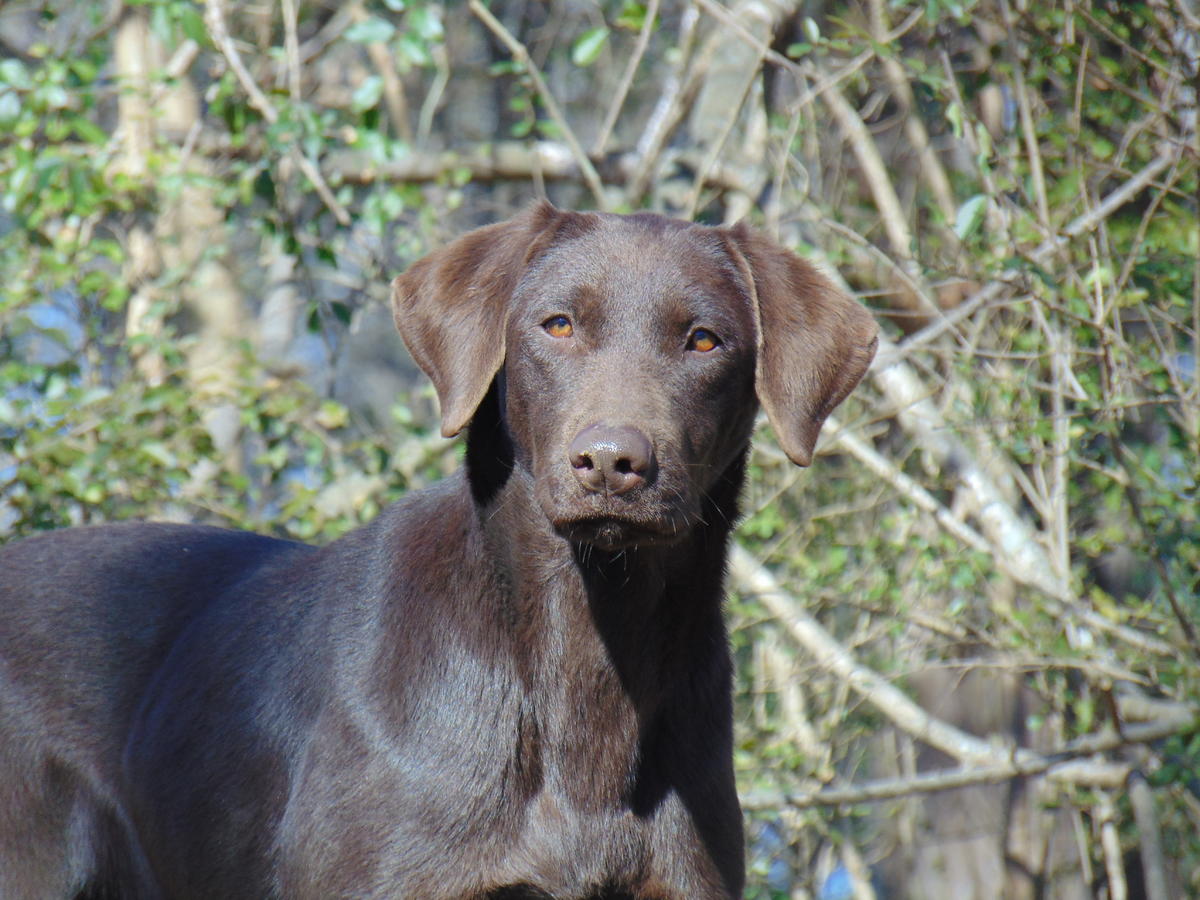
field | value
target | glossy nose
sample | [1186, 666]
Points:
[613, 459]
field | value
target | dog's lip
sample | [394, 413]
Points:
[611, 532]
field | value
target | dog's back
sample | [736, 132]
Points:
[86, 618]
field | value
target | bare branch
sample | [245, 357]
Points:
[1154, 865]
[931, 168]
[635, 59]
[214, 17]
[521, 55]
[1110, 843]
[393, 88]
[749, 577]
[1089, 773]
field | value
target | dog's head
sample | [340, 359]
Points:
[630, 352]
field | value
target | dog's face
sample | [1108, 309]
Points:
[630, 352]
[629, 376]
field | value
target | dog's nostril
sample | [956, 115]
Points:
[612, 459]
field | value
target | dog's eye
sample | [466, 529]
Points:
[702, 340]
[559, 327]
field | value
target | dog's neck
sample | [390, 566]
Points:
[605, 643]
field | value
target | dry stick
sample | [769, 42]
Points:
[1154, 868]
[714, 150]
[515, 160]
[433, 97]
[886, 261]
[1110, 843]
[1111, 203]
[730, 21]
[727, 18]
[859, 138]
[774, 207]
[822, 85]
[521, 55]
[1076, 772]
[1012, 538]
[679, 91]
[914, 128]
[215, 19]
[1054, 499]
[291, 45]
[1028, 129]
[1072, 765]
[1183, 616]
[990, 762]
[1011, 535]
[393, 89]
[906, 486]
[752, 579]
[887, 202]
[635, 60]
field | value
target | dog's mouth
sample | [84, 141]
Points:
[610, 533]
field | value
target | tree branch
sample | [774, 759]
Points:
[214, 17]
[521, 55]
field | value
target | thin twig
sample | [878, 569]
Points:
[291, 45]
[393, 88]
[678, 92]
[1110, 843]
[887, 202]
[1154, 866]
[1078, 772]
[1028, 129]
[907, 487]
[215, 20]
[892, 352]
[718, 145]
[631, 67]
[521, 55]
[931, 168]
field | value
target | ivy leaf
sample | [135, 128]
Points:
[970, 216]
[588, 46]
[367, 94]
[371, 31]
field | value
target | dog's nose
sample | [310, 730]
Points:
[611, 458]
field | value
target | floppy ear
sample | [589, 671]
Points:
[451, 308]
[815, 343]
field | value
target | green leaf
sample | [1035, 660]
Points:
[192, 24]
[371, 31]
[970, 216]
[367, 94]
[87, 130]
[588, 46]
[10, 106]
[632, 15]
[12, 72]
[427, 22]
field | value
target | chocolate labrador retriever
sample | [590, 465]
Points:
[513, 684]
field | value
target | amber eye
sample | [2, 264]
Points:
[558, 326]
[702, 340]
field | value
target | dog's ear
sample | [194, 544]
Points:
[451, 308]
[815, 343]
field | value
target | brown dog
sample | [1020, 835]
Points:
[513, 684]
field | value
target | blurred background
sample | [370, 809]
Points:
[967, 648]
